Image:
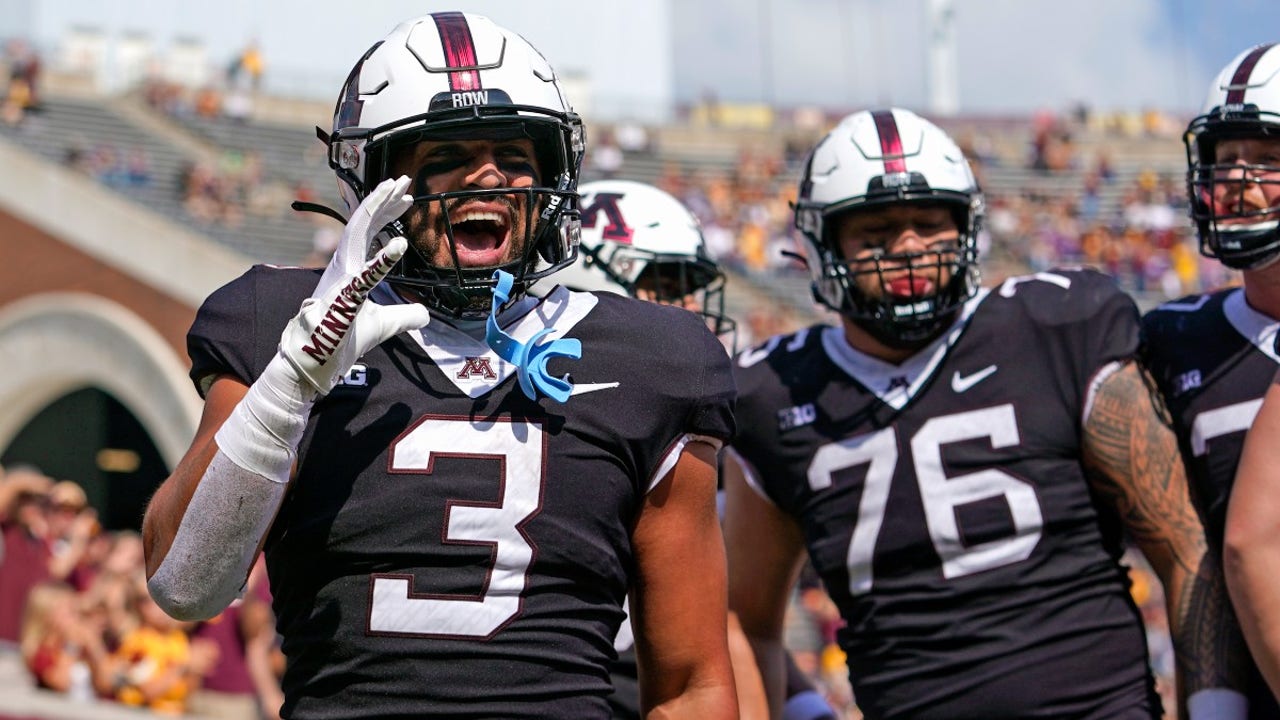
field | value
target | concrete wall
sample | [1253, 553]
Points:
[96, 292]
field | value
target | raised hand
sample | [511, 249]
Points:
[336, 326]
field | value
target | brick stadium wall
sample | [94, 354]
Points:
[35, 262]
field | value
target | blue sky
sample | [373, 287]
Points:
[1011, 55]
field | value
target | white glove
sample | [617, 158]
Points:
[335, 326]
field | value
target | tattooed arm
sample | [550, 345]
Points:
[1136, 468]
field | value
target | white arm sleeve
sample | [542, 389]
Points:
[237, 498]
[206, 567]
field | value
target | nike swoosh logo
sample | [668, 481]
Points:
[960, 384]
[580, 388]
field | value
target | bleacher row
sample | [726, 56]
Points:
[291, 157]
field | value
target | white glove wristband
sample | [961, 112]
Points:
[1217, 704]
[262, 434]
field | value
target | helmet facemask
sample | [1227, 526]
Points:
[904, 299]
[1229, 188]
[693, 283]
[541, 219]
[1238, 233]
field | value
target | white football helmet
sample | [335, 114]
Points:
[1243, 102]
[455, 75]
[640, 241]
[874, 158]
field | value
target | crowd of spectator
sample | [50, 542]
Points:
[22, 91]
[125, 169]
[74, 608]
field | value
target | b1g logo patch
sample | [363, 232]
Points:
[798, 416]
[357, 376]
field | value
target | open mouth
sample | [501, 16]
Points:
[481, 234]
[910, 287]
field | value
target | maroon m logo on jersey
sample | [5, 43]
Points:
[607, 203]
[477, 366]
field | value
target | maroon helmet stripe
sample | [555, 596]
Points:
[459, 50]
[890, 141]
[1235, 96]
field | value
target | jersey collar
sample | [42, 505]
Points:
[896, 385]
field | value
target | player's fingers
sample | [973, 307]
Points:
[396, 319]
[357, 290]
[388, 201]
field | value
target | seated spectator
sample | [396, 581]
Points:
[63, 650]
[17, 100]
[137, 170]
[632, 138]
[159, 665]
[24, 529]
[606, 157]
[109, 596]
[72, 524]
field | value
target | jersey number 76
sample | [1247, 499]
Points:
[939, 493]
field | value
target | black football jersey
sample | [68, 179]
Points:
[1213, 356]
[450, 548]
[944, 504]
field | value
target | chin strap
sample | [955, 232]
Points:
[529, 358]
[304, 206]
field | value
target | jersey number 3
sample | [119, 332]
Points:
[395, 608]
[939, 493]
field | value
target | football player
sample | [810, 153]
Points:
[959, 463]
[1214, 355]
[640, 241]
[455, 483]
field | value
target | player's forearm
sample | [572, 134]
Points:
[1207, 641]
[1251, 554]
[236, 498]
[1138, 469]
[770, 658]
[714, 701]
[1251, 568]
[169, 504]
[753, 704]
[216, 542]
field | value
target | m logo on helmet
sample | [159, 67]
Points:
[617, 230]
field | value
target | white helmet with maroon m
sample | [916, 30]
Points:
[640, 241]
